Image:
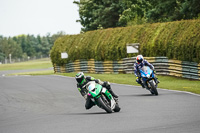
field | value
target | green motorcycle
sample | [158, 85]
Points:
[102, 97]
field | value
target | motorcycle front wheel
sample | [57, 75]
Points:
[117, 108]
[153, 88]
[103, 105]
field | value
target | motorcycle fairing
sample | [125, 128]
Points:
[107, 93]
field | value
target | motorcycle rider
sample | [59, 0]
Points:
[139, 63]
[82, 80]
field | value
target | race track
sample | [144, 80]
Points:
[52, 104]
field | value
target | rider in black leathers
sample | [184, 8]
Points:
[139, 63]
[82, 80]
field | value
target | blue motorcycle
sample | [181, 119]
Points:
[148, 79]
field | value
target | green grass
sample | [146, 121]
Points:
[166, 82]
[35, 73]
[35, 64]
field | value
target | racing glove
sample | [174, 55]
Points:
[85, 97]
[154, 71]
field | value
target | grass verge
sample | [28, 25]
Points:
[35, 73]
[166, 82]
[34, 64]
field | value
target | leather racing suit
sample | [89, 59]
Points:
[82, 89]
[138, 66]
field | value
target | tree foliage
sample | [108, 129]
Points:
[175, 40]
[96, 14]
[23, 46]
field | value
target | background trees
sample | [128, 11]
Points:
[97, 14]
[176, 40]
[103, 14]
[24, 46]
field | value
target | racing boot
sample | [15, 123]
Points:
[157, 81]
[138, 80]
[155, 78]
[107, 85]
[142, 85]
[115, 97]
[112, 93]
[89, 103]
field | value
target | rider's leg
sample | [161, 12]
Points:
[107, 85]
[89, 103]
[138, 80]
[156, 79]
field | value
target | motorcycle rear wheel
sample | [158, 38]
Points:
[103, 105]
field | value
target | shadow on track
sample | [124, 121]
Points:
[137, 95]
[89, 113]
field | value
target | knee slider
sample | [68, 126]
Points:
[138, 81]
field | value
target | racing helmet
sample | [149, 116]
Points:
[139, 59]
[80, 77]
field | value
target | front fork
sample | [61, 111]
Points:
[147, 84]
[110, 97]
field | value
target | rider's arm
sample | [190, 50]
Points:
[146, 63]
[136, 70]
[82, 91]
[93, 79]
[99, 81]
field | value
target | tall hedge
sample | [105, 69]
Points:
[176, 40]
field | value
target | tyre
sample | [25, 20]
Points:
[103, 105]
[153, 88]
[151, 92]
[117, 108]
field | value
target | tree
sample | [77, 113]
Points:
[172, 10]
[23, 46]
[9, 46]
[30, 45]
[190, 9]
[98, 14]
[15, 49]
[45, 46]
[134, 12]
[165, 11]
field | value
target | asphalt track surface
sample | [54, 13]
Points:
[52, 104]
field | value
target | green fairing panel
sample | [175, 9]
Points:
[97, 90]
[108, 94]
